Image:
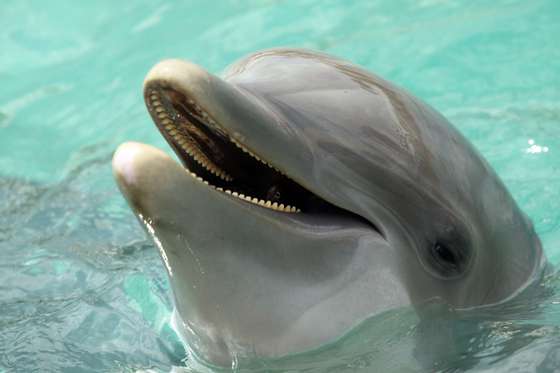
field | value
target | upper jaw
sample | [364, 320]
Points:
[230, 110]
[222, 102]
[198, 113]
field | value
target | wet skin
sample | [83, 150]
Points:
[312, 195]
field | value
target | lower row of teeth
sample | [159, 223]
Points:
[261, 202]
[200, 158]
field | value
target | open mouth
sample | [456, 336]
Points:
[212, 156]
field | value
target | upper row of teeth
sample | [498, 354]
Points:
[162, 114]
[245, 150]
[186, 144]
[209, 120]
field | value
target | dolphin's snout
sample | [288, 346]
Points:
[123, 162]
[180, 74]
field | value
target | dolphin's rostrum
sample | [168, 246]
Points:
[312, 195]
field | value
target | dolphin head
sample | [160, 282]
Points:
[311, 195]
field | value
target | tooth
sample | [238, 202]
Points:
[268, 204]
[173, 132]
[255, 200]
[261, 203]
[228, 191]
[159, 109]
[235, 194]
[275, 205]
[241, 195]
[281, 207]
[166, 122]
[220, 189]
[162, 115]
[154, 97]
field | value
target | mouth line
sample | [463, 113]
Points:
[212, 156]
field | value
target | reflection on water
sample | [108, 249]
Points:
[82, 289]
[534, 148]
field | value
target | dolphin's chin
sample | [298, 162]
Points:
[214, 156]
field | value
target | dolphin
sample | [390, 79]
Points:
[311, 195]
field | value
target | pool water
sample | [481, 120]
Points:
[83, 290]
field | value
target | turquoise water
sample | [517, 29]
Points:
[82, 289]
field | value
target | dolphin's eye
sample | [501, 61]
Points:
[444, 254]
[448, 259]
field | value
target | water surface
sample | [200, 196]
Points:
[82, 289]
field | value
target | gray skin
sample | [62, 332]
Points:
[252, 282]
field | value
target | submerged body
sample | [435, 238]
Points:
[313, 195]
